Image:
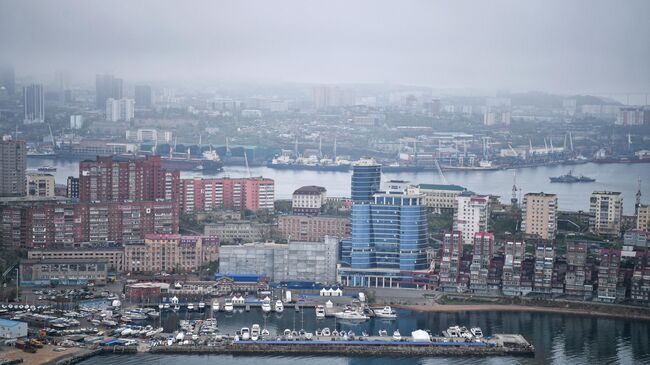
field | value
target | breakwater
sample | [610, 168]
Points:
[352, 348]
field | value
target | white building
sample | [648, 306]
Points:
[302, 261]
[471, 215]
[76, 121]
[606, 212]
[12, 329]
[120, 110]
[308, 199]
[40, 184]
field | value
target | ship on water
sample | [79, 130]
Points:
[285, 161]
[569, 178]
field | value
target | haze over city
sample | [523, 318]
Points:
[359, 182]
[555, 46]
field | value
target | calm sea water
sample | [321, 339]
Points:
[615, 177]
[558, 339]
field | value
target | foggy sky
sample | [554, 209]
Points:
[552, 45]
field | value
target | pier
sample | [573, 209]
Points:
[499, 345]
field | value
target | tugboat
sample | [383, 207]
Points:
[570, 178]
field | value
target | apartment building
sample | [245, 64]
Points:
[308, 200]
[313, 228]
[539, 215]
[606, 210]
[39, 184]
[170, 253]
[482, 253]
[471, 215]
[204, 195]
[440, 199]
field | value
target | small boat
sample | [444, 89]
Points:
[387, 313]
[320, 312]
[215, 305]
[326, 332]
[279, 307]
[383, 333]
[255, 332]
[351, 315]
[397, 336]
[166, 306]
[265, 332]
[476, 332]
[180, 337]
[201, 305]
[190, 306]
[46, 169]
[335, 333]
[266, 305]
[245, 333]
[228, 307]
[161, 306]
[287, 334]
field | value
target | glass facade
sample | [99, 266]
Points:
[389, 233]
[366, 179]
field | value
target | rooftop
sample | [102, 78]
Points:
[441, 187]
[310, 190]
[9, 323]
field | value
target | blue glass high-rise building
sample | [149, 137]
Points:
[366, 180]
[389, 235]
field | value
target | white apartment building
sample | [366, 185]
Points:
[308, 199]
[606, 210]
[471, 215]
[120, 110]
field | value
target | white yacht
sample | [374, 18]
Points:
[228, 307]
[287, 334]
[279, 307]
[215, 305]
[245, 333]
[320, 312]
[351, 315]
[265, 332]
[201, 305]
[397, 336]
[476, 332]
[326, 332]
[255, 332]
[383, 333]
[266, 305]
[387, 312]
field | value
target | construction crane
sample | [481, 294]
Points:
[442, 176]
[513, 199]
[248, 170]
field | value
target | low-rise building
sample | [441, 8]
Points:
[114, 256]
[636, 238]
[313, 228]
[238, 231]
[45, 272]
[12, 329]
[302, 261]
[170, 253]
[643, 217]
[308, 200]
[440, 199]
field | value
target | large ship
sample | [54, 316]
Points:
[208, 162]
[284, 161]
[569, 178]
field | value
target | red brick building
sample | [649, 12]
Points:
[201, 195]
[313, 228]
[108, 180]
[53, 225]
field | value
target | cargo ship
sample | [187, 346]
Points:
[312, 162]
[569, 178]
[208, 162]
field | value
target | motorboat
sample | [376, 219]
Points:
[228, 307]
[335, 333]
[279, 307]
[180, 337]
[326, 332]
[476, 332]
[245, 333]
[266, 305]
[320, 312]
[287, 334]
[255, 332]
[190, 306]
[351, 315]
[387, 312]
[201, 305]
[265, 332]
[397, 336]
[215, 305]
